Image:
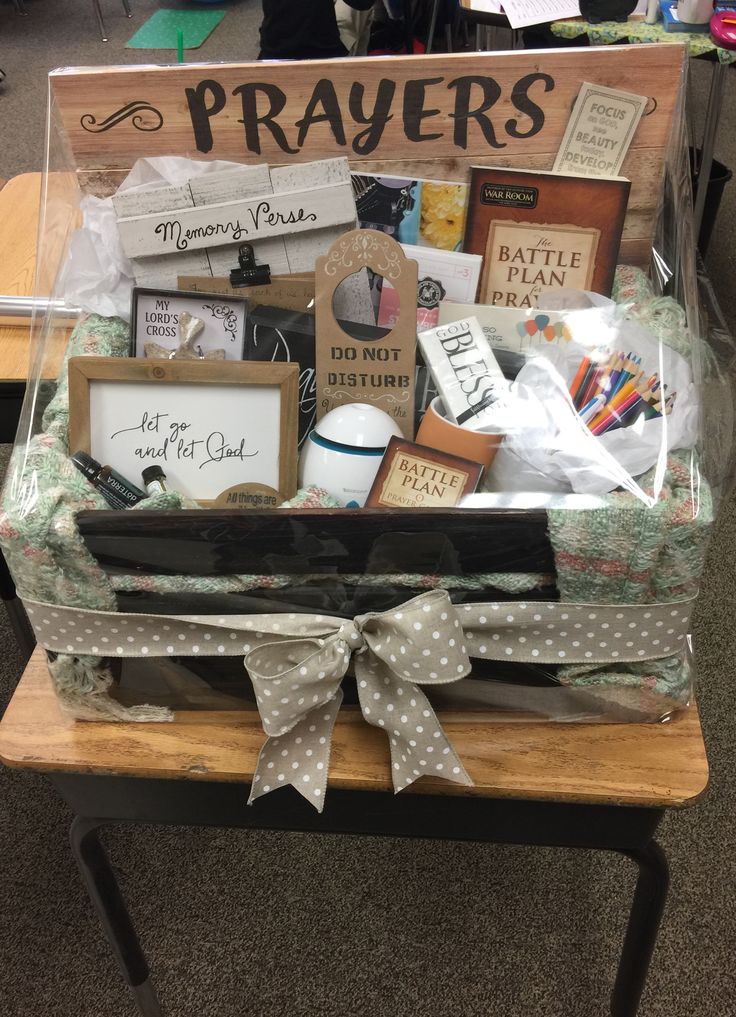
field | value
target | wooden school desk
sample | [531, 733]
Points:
[567, 785]
[19, 208]
[19, 213]
[19, 202]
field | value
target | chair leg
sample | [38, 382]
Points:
[432, 25]
[408, 13]
[464, 32]
[109, 904]
[650, 897]
[100, 22]
[126, 8]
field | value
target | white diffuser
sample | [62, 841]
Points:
[343, 452]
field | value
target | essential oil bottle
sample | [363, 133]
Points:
[118, 492]
[154, 479]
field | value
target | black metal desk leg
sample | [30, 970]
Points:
[650, 897]
[110, 906]
[16, 615]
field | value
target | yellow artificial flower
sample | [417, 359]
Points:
[442, 215]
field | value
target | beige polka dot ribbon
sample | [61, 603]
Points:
[559, 633]
[297, 686]
[297, 661]
[534, 632]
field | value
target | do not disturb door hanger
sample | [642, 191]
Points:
[377, 371]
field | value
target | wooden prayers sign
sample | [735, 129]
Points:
[375, 371]
[430, 118]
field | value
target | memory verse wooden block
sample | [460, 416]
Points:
[239, 221]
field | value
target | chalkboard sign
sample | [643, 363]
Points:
[210, 425]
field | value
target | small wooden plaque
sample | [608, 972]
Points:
[194, 227]
[154, 320]
[414, 476]
[249, 496]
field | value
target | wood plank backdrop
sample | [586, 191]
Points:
[433, 117]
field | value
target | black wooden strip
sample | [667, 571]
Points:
[338, 600]
[319, 541]
[186, 683]
[11, 401]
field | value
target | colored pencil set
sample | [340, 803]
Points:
[615, 394]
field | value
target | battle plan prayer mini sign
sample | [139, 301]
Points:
[412, 476]
[209, 426]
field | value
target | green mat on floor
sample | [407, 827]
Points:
[159, 32]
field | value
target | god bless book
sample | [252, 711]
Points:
[543, 231]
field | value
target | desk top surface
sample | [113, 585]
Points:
[19, 208]
[19, 213]
[653, 765]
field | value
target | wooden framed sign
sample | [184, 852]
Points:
[375, 371]
[155, 321]
[210, 425]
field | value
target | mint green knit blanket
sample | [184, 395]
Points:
[624, 552]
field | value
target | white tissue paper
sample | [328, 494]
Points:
[549, 449]
[97, 276]
[173, 170]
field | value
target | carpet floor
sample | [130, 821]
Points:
[242, 924]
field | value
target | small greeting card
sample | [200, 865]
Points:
[441, 275]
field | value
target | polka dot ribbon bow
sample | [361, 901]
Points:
[297, 686]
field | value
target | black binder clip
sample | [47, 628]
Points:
[249, 274]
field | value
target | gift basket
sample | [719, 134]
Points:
[384, 381]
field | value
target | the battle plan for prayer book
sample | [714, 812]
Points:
[542, 231]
